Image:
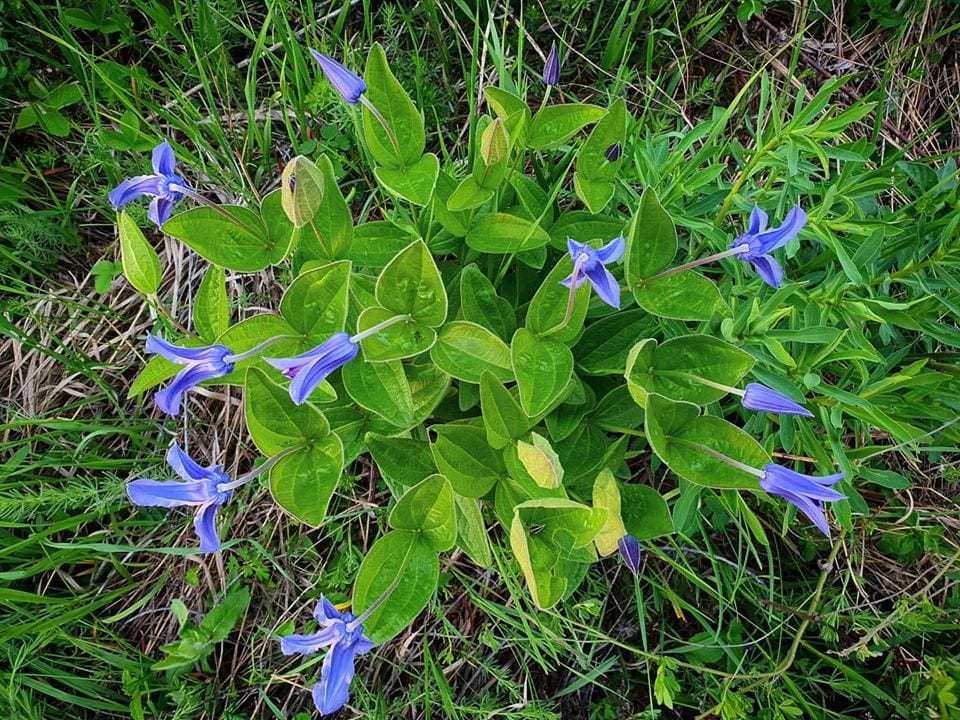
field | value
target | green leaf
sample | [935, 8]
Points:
[479, 303]
[274, 421]
[511, 109]
[402, 554]
[592, 164]
[428, 386]
[595, 194]
[211, 308]
[605, 344]
[303, 482]
[466, 351]
[315, 304]
[403, 462]
[414, 182]
[584, 227]
[401, 340]
[500, 232]
[243, 246]
[503, 418]
[468, 195]
[282, 235]
[540, 461]
[428, 509]
[533, 199]
[381, 388]
[472, 535]
[462, 454]
[219, 622]
[411, 285]
[636, 510]
[140, 263]
[154, 372]
[677, 434]
[389, 97]
[375, 244]
[666, 368]
[333, 219]
[565, 530]
[555, 124]
[301, 190]
[453, 221]
[543, 369]
[104, 271]
[684, 296]
[549, 305]
[606, 495]
[651, 240]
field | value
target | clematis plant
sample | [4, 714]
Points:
[487, 346]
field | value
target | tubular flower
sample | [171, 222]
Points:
[551, 67]
[630, 552]
[310, 369]
[612, 153]
[763, 399]
[347, 83]
[207, 489]
[343, 635]
[807, 492]
[202, 363]
[164, 186]
[590, 264]
[755, 245]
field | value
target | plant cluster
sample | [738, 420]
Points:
[476, 342]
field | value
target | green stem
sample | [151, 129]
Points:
[720, 456]
[383, 122]
[743, 177]
[743, 247]
[378, 327]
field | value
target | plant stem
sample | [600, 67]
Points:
[378, 327]
[703, 381]
[721, 457]
[571, 297]
[696, 263]
[256, 349]
[365, 101]
[259, 469]
[197, 197]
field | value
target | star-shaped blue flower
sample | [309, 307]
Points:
[207, 489]
[164, 186]
[590, 264]
[758, 242]
[202, 363]
[344, 636]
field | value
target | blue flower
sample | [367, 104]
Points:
[551, 68]
[312, 367]
[346, 82]
[202, 363]
[763, 399]
[203, 488]
[758, 242]
[344, 636]
[612, 153]
[164, 186]
[630, 552]
[589, 264]
[807, 492]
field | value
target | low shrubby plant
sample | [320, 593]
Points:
[509, 343]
